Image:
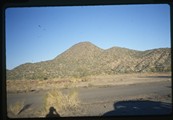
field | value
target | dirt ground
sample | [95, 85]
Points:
[98, 94]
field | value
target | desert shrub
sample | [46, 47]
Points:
[84, 79]
[61, 102]
[167, 69]
[45, 78]
[67, 85]
[16, 107]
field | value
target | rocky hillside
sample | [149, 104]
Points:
[85, 59]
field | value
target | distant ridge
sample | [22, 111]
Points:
[85, 59]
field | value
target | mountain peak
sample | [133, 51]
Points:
[81, 50]
[85, 44]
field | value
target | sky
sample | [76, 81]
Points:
[42, 33]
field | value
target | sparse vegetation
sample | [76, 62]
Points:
[16, 86]
[16, 107]
[85, 65]
[61, 102]
[85, 59]
[66, 101]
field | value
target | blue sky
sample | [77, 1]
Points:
[40, 34]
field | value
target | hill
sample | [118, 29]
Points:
[85, 59]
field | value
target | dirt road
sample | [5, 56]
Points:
[123, 91]
[103, 97]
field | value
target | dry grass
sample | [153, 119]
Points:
[16, 107]
[16, 86]
[63, 103]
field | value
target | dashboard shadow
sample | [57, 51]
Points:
[133, 108]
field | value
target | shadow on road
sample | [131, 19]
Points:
[52, 113]
[24, 108]
[157, 77]
[126, 108]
